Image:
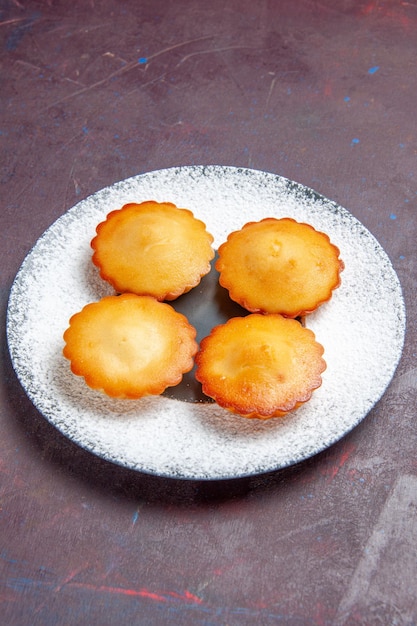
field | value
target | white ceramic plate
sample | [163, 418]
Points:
[361, 328]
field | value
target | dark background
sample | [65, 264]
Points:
[322, 92]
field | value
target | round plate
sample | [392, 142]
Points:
[361, 328]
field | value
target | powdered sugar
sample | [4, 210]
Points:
[361, 329]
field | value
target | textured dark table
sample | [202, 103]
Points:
[323, 93]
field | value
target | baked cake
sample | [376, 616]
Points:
[130, 346]
[153, 249]
[279, 266]
[260, 366]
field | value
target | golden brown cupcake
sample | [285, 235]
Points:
[279, 266]
[130, 346]
[152, 249]
[260, 366]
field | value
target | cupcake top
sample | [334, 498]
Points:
[260, 366]
[130, 346]
[279, 266]
[153, 249]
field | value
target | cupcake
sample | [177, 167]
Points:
[130, 346]
[152, 248]
[279, 266]
[260, 366]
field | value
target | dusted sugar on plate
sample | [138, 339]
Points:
[279, 266]
[260, 366]
[152, 248]
[130, 346]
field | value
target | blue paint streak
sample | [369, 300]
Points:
[4, 556]
[374, 69]
[142, 60]
[355, 141]
[20, 31]
[21, 583]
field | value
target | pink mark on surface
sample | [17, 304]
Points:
[394, 14]
[69, 578]
[162, 596]
[328, 89]
[334, 469]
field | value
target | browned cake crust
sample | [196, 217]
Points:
[153, 249]
[130, 346]
[260, 366]
[279, 266]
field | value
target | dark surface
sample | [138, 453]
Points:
[321, 92]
